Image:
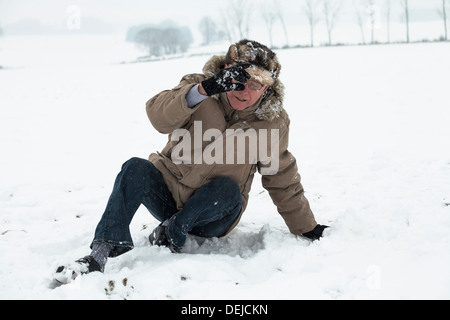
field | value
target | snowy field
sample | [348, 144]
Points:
[370, 130]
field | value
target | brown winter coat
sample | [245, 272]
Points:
[168, 111]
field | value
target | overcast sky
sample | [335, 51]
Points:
[36, 17]
[125, 13]
[112, 11]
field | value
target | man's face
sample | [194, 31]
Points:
[240, 100]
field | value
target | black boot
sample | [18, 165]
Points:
[159, 238]
[66, 274]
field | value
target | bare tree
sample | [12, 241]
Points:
[269, 16]
[405, 5]
[372, 16]
[150, 39]
[237, 18]
[443, 14]
[240, 15]
[331, 10]
[171, 41]
[311, 12]
[208, 29]
[227, 27]
[279, 14]
[360, 19]
[388, 20]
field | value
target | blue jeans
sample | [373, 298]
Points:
[210, 212]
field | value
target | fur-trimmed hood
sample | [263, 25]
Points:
[271, 104]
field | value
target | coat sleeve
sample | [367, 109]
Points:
[168, 110]
[286, 190]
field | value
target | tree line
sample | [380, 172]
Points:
[236, 19]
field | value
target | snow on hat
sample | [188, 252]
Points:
[265, 66]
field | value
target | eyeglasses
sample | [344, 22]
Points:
[254, 85]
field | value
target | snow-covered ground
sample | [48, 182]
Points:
[370, 130]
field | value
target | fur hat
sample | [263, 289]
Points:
[265, 66]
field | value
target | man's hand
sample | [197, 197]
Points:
[223, 80]
[316, 233]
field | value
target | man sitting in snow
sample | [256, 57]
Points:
[200, 182]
